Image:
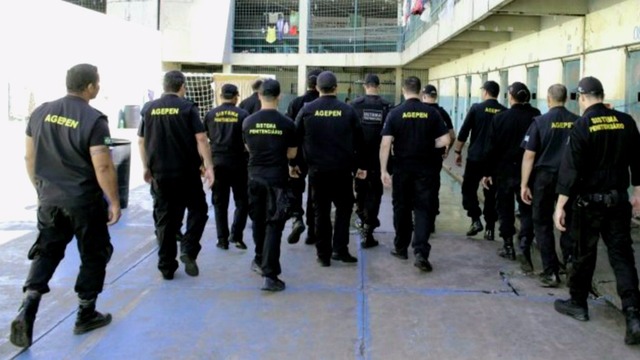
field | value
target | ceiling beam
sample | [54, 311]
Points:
[547, 7]
[483, 36]
[474, 45]
[442, 51]
[509, 23]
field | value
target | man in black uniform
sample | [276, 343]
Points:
[414, 129]
[330, 133]
[69, 164]
[252, 103]
[429, 96]
[544, 145]
[172, 141]
[300, 170]
[477, 122]
[224, 129]
[372, 110]
[603, 148]
[270, 138]
[504, 154]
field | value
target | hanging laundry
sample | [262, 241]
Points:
[294, 30]
[279, 28]
[285, 28]
[271, 34]
[294, 18]
[406, 12]
[426, 13]
[273, 17]
[417, 8]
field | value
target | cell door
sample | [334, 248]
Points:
[504, 88]
[532, 84]
[571, 77]
[632, 96]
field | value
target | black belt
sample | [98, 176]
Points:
[608, 199]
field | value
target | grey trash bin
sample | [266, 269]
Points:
[121, 155]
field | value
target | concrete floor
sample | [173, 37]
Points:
[474, 305]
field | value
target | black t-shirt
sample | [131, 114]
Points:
[504, 141]
[292, 112]
[372, 110]
[224, 128]
[63, 131]
[329, 131]
[603, 146]
[296, 104]
[477, 122]
[438, 152]
[414, 126]
[169, 126]
[547, 137]
[268, 135]
[251, 104]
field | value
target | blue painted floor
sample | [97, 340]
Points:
[474, 305]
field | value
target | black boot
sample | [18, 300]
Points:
[526, 265]
[297, 229]
[632, 315]
[476, 227]
[22, 325]
[507, 250]
[488, 233]
[88, 318]
[368, 241]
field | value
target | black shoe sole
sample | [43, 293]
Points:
[84, 328]
[400, 256]
[274, 288]
[580, 316]
[424, 267]
[222, 246]
[345, 259]
[369, 244]
[294, 237]
[190, 266]
[20, 333]
[324, 263]
[167, 276]
[241, 245]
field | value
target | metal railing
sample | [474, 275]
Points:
[354, 40]
[365, 39]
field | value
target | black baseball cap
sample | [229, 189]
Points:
[327, 80]
[520, 92]
[270, 87]
[492, 87]
[430, 90]
[314, 72]
[372, 79]
[228, 91]
[590, 85]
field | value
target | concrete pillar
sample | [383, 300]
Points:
[303, 35]
[227, 68]
[303, 26]
[399, 79]
[302, 79]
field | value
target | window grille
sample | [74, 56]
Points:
[266, 26]
[97, 5]
[353, 26]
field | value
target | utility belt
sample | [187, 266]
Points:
[607, 199]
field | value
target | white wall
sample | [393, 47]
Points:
[41, 40]
[196, 31]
